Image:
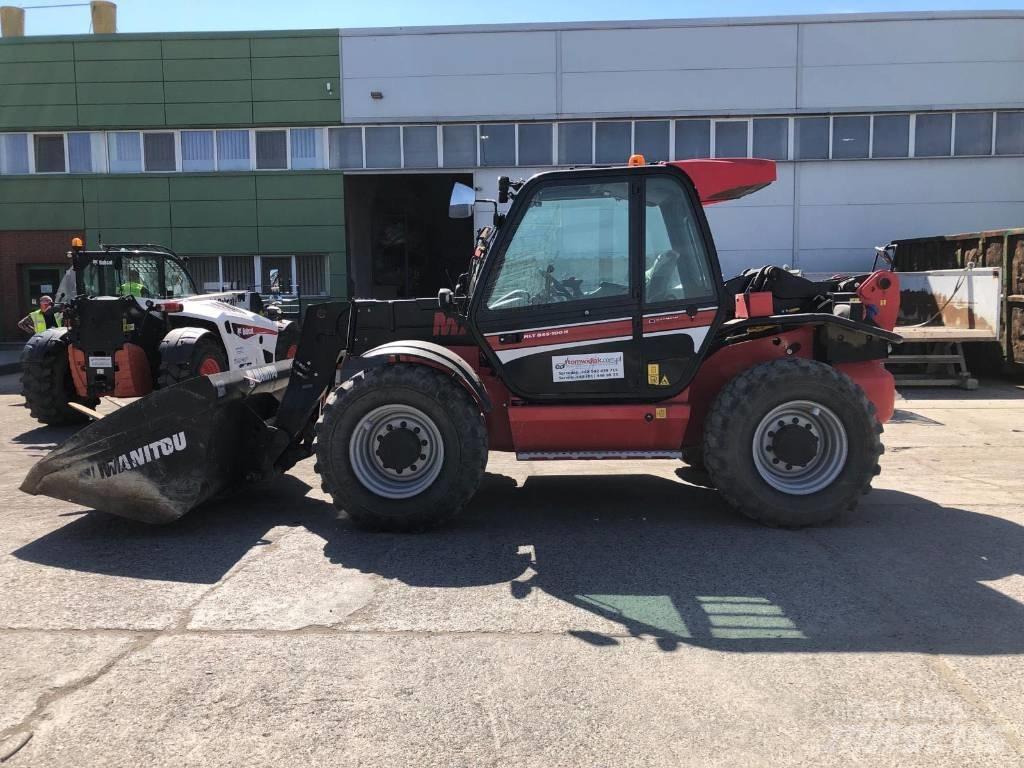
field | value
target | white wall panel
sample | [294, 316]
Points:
[927, 86]
[448, 98]
[900, 42]
[679, 48]
[734, 262]
[480, 53]
[670, 92]
[763, 228]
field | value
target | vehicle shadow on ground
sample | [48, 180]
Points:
[659, 558]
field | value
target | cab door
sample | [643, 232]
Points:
[557, 305]
[681, 302]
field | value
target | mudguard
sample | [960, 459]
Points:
[426, 353]
[176, 347]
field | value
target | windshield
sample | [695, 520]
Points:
[143, 275]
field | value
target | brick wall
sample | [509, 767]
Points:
[17, 248]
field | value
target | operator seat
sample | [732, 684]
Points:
[662, 277]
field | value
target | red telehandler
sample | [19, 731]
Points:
[593, 322]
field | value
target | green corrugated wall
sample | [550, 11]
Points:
[144, 81]
[195, 214]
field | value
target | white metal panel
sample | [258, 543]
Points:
[677, 91]
[864, 226]
[927, 86]
[967, 299]
[448, 98]
[679, 48]
[959, 180]
[415, 55]
[764, 228]
[894, 42]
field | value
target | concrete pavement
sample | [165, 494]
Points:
[591, 614]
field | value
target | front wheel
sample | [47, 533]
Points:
[792, 443]
[401, 448]
[188, 354]
[46, 380]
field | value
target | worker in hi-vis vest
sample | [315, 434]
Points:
[38, 320]
[134, 286]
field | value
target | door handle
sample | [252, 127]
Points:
[510, 338]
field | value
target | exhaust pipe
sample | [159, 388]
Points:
[165, 454]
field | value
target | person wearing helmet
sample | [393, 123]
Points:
[38, 320]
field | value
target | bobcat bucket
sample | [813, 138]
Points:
[168, 452]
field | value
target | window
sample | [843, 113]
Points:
[731, 138]
[85, 153]
[384, 147]
[13, 153]
[50, 153]
[239, 273]
[124, 152]
[206, 272]
[197, 151]
[613, 142]
[575, 143]
[850, 136]
[973, 133]
[233, 151]
[158, 151]
[459, 146]
[271, 150]
[498, 144]
[650, 139]
[535, 144]
[1010, 133]
[675, 261]
[176, 281]
[420, 146]
[346, 147]
[892, 136]
[811, 134]
[931, 136]
[571, 244]
[276, 275]
[311, 271]
[771, 138]
[693, 139]
[306, 148]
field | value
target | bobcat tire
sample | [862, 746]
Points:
[792, 443]
[189, 352]
[401, 448]
[46, 380]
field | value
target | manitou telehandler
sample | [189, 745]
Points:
[592, 323]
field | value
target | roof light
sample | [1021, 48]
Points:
[76, 242]
[636, 160]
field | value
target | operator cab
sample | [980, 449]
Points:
[597, 284]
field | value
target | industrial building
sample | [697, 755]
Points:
[321, 161]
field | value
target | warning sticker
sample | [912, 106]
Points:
[587, 367]
[653, 374]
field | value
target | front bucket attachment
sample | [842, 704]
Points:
[168, 452]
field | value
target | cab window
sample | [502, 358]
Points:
[177, 283]
[572, 244]
[676, 264]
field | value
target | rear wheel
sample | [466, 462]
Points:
[193, 356]
[792, 443]
[401, 448]
[46, 380]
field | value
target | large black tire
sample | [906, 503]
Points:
[450, 409]
[46, 380]
[184, 357]
[693, 455]
[730, 451]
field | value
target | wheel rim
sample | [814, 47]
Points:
[208, 366]
[396, 451]
[800, 447]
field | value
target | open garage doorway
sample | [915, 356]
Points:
[401, 243]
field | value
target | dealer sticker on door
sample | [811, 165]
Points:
[588, 366]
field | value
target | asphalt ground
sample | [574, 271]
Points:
[579, 614]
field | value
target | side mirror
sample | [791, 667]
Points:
[460, 206]
[504, 182]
